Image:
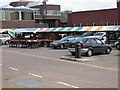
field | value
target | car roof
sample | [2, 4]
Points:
[73, 36]
[100, 33]
[90, 37]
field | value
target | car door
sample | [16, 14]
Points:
[91, 43]
[101, 46]
[95, 46]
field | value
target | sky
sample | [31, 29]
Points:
[76, 5]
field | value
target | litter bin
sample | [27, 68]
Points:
[77, 51]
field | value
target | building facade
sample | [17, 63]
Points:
[20, 16]
[48, 14]
[95, 17]
[118, 7]
[16, 17]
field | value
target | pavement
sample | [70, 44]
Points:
[72, 58]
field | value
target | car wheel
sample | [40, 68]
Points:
[118, 47]
[89, 53]
[61, 46]
[7, 42]
[73, 53]
[108, 51]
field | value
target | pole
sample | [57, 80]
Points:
[77, 51]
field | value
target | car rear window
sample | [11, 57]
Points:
[81, 40]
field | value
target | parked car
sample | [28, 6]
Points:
[117, 44]
[5, 38]
[63, 43]
[90, 45]
[101, 35]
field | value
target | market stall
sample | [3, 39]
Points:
[37, 37]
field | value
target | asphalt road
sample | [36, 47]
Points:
[43, 68]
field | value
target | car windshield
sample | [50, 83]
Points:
[87, 34]
[63, 39]
[79, 40]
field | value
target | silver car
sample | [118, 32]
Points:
[4, 38]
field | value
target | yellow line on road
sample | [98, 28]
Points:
[81, 63]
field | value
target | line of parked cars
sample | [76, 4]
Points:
[64, 42]
[89, 43]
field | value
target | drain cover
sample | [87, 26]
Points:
[29, 82]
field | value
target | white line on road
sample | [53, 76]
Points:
[35, 75]
[67, 84]
[14, 68]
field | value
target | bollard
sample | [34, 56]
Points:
[0, 42]
[77, 51]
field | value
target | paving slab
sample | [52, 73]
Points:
[72, 58]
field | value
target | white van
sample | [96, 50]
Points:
[5, 38]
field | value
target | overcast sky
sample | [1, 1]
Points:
[76, 5]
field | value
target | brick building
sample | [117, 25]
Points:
[118, 7]
[95, 17]
[49, 15]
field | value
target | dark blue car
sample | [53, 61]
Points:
[90, 45]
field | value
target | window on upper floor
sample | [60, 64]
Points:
[94, 24]
[101, 23]
[108, 23]
[81, 24]
[115, 23]
[27, 16]
[14, 16]
[53, 12]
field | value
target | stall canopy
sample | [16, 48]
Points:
[119, 29]
[78, 29]
[61, 29]
[32, 30]
[12, 32]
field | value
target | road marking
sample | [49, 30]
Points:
[56, 59]
[0, 64]
[67, 84]
[14, 68]
[35, 75]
